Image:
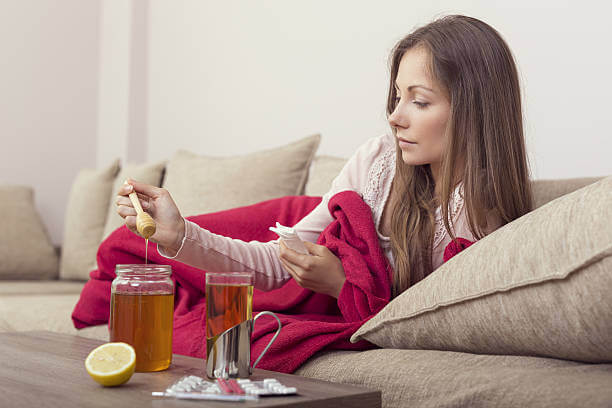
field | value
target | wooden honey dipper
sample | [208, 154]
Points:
[145, 224]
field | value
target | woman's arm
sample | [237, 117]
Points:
[205, 250]
[213, 252]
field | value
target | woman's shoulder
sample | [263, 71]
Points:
[378, 144]
[367, 153]
[357, 171]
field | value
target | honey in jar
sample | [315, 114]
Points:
[142, 309]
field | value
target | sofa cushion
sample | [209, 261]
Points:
[26, 252]
[50, 287]
[85, 218]
[150, 173]
[323, 171]
[44, 312]
[538, 286]
[431, 378]
[545, 191]
[202, 184]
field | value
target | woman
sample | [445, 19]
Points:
[453, 166]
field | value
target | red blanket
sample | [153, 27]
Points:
[311, 321]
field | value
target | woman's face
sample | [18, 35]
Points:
[422, 111]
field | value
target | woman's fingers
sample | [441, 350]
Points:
[130, 221]
[296, 270]
[288, 267]
[125, 189]
[144, 200]
[292, 272]
[143, 197]
[124, 200]
[301, 260]
[144, 188]
[126, 211]
[316, 249]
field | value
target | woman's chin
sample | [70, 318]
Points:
[410, 160]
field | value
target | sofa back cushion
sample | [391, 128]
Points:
[323, 171]
[86, 211]
[202, 184]
[538, 286]
[26, 252]
[545, 191]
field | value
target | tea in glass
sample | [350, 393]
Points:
[229, 302]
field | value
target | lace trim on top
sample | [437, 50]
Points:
[456, 206]
[375, 195]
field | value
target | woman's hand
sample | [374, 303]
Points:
[321, 271]
[170, 228]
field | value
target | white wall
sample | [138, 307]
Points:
[113, 80]
[123, 81]
[236, 76]
[48, 91]
[231, 77]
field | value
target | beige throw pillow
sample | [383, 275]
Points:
[203, 184]
[85, 218]
[538, 286]
[26, 252]
[323, 171]
[150, 173]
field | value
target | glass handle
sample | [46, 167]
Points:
[273, 337]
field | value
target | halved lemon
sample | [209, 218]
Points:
[111, 364]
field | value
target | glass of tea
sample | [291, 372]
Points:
[142, 309]
[229, 324]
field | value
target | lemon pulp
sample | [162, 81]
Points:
[111, 364]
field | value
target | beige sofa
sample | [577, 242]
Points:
[519, 319]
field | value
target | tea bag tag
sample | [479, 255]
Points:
[290, 238]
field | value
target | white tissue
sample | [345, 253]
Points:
[290, 238]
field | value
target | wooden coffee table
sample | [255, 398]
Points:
[42, 368]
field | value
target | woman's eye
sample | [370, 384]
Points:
[420, 105]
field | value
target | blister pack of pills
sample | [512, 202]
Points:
[290, 238]
[194, 387]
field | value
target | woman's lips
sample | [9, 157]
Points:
[404, 142]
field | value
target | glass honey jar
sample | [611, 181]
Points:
[142, 309]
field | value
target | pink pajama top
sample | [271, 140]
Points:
[369, 172]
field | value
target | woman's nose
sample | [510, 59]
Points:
[397, 119]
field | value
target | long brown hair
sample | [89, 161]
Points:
[485, 146]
